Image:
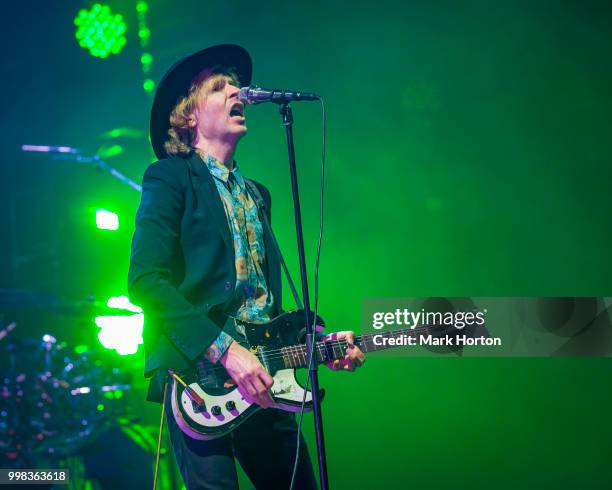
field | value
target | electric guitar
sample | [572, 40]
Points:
[206, 402]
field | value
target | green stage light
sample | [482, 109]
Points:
[148, 85]
[123, 132]
[123, 303]
[144, 33]
[146, 58]
[100, 31]
[105, 151]
[121, 333]
[107, 220]
[81, 349]
[115, 394]
[142, 7]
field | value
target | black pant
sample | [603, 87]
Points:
[264, 445]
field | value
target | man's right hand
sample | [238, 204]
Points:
[247, 372]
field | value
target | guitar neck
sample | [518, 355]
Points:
[296, 356]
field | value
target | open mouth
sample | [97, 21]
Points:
[237, 110]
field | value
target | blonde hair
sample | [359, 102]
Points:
[181, 135]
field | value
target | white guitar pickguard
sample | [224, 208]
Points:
[285, 388]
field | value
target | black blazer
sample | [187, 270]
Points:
[182, 269]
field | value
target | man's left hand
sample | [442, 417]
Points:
[353, 357]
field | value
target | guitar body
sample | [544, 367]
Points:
[224, 406]
[206, 402]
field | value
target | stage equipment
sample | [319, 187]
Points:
[54, 400]
[74, 154]
[100, 31]
[144, 34]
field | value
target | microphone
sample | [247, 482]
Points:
[257, 95]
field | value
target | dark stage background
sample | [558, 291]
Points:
[468, 154]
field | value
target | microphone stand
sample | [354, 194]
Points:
[287, 116]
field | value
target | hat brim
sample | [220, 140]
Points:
[177, 80]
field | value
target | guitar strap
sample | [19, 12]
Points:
[261, 205]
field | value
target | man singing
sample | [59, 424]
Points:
[201, 258]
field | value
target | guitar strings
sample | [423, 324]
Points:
[337, 342]
[342, 342]
[300, 349]
[322, 347]
[299, 352]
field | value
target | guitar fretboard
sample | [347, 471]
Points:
[296, 356]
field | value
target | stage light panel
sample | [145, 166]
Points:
[100, 31]
[107, 220]
[121, 333]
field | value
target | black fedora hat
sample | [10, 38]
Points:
[177, 80]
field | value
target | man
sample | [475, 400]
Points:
[203, 256]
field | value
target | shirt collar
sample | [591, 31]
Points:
[217, 169]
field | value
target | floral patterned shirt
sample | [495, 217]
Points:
[252, 301]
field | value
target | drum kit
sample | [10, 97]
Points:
[54, 399]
